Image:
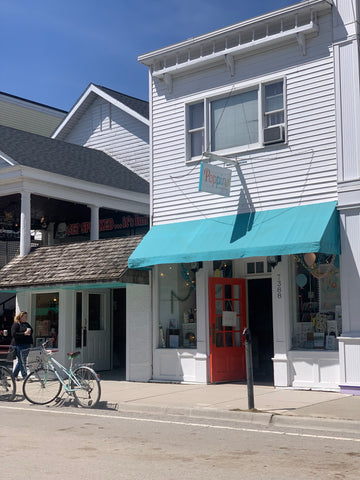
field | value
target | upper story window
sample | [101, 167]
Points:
[237, 122]
[196, 128]
[234, 121]
[274, 104]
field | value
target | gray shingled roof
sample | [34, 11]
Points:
[139, 106]
[65, 158]
[84, 262]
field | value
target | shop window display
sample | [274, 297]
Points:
[318, 314]
[223, 268]
[46, 316]
[177, 305]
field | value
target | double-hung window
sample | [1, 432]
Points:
[196, 129]
[274, 104]
[237, 122]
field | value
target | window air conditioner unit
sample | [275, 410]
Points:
[274, 134]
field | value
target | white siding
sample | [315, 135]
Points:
[299, 172]
[105, 127]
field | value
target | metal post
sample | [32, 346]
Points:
[249, 368]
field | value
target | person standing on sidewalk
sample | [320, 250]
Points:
[21, 339]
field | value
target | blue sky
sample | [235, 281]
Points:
[52, 49]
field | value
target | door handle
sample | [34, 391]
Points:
[84, 336]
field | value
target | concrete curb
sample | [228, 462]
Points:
[259, 418]
[317, 423]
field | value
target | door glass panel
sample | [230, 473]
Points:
[228, 307]
[95, 320]
[227, 291]
[229, 336]
[218, 307]
[219, 340]
[78, 320]
[218, 291]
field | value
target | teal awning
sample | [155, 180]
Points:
[286, 231]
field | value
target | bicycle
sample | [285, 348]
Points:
[7, 382]
[47, 377]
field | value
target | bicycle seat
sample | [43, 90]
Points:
[73, 354]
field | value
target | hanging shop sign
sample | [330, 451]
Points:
[214, 179]
[109, 224]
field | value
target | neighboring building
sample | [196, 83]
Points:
[61, 190]
[112, 122]
[56, 194]
[30, 116]
[275, 100]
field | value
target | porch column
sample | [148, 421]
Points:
[94, 231]
[25, 224]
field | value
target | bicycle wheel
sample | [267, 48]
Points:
[41, 386]
[89, 395]
[7, 385]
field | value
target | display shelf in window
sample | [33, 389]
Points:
[189, 335]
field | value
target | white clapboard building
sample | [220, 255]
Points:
[255, 202]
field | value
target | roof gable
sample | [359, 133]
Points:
[135, 107]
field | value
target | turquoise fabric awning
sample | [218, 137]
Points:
[286, 231]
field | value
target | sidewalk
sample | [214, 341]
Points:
[310, 409]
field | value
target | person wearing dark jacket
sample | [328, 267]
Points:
[21, 339]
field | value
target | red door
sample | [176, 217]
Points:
[227, 297]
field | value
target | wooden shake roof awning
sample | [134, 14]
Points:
[71, 265]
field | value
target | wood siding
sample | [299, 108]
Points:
[28, 117]
[299, 172]
[105, 127]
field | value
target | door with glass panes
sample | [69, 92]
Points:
[93, 328]
[227, 318]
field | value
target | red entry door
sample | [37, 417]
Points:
[227, 297]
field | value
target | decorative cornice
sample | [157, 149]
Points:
[306, 7]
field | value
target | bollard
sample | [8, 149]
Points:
[249, 368]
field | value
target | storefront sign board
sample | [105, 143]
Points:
[214, 179]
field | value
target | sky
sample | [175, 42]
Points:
[51, 50]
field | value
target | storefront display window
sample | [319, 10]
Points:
[318, 314]
[223, 268]
[177, 305]
[46, 316]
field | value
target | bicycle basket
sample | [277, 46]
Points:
[34, 358]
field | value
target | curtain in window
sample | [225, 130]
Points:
[234, 121]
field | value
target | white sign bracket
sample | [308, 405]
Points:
[229, 161]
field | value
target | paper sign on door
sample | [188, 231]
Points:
[228, 319]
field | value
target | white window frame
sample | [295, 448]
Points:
[260, 87]
[194, 130]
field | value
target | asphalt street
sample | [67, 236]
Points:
[62, 440]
